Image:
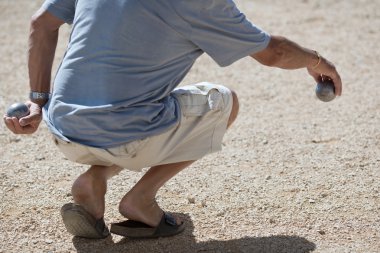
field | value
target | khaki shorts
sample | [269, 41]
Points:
[205, 110]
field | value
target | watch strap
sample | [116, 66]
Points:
[33, 95]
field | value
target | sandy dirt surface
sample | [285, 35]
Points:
[295, 175]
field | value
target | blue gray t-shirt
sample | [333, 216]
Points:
[124, 58]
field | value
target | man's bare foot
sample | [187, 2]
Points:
[140, 208]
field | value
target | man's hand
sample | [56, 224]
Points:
[327, 71]
[28, 124]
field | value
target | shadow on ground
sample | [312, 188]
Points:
[185, 243]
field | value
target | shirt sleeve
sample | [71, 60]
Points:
[62, 9]
[219, 28]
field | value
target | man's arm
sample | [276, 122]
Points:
[42, 44]
[43, 39]
[286, 54]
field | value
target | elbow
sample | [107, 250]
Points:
[273, 59]
[274, 53]
[36, 22]
[42, 21]
[276, 46]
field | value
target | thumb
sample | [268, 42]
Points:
[29, 119]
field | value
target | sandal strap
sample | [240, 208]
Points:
[167, 225]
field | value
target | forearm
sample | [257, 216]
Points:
[286, 54]
[42, 45]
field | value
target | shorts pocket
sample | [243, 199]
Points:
[193, 105]
[199, 100]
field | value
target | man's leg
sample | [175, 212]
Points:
[90, 188]
[140, 202]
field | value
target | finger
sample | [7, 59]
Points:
[337, 84]
[29, 129]
[333, 76]
[17, 126]
[9, 123]
[29, 119]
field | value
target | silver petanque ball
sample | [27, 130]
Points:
[325, 91]
[18, 110]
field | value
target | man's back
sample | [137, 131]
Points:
[126, 56]
[125, 44]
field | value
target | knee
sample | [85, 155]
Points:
[111, 171]
[234, 110]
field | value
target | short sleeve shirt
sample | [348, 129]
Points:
[125, 57]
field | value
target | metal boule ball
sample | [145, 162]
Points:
[18, 110]
[325, 91]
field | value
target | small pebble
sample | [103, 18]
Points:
[16, 139]
[40, 158]
[321, 232]
[191, 200]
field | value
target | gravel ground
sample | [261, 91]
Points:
[295, 175]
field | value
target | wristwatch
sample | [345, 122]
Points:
[33, 95]
[39, 98]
